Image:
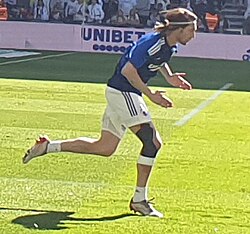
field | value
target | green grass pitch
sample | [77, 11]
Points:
[201, 180]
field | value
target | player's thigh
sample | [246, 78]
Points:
[108, 141]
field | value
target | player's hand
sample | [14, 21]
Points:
[178, 81]
[158, 98]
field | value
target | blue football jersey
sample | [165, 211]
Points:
[147, 55]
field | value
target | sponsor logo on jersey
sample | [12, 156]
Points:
[155, 67]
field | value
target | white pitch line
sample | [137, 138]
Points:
[202, 106]
[34, 59]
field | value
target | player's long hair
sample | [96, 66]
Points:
[174, 19]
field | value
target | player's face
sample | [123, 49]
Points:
[186, 34]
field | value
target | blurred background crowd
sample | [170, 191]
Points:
[224, 16]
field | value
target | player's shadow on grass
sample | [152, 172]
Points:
[54, 220]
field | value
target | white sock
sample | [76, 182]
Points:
[54, 146]
[141, 193]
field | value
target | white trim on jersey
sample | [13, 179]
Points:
[156, 47]
[132, 50]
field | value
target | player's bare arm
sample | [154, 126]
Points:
[175, 79]
[157, 97]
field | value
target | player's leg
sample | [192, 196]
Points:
[135, 115]
[151, 142]
[104, 146]
[111, 134]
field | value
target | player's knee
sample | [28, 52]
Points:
[150, 139]
[158, 141]
[158, 145]
[150, 149]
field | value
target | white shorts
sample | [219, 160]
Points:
[124, 110]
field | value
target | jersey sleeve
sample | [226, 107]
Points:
[139, 52]
[138, 55]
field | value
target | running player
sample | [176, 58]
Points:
[126, 108]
